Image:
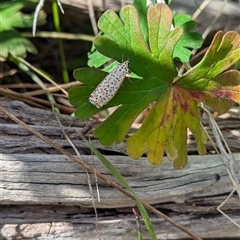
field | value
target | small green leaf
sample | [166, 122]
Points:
[96, 59]
[11, 39]
[189, 40]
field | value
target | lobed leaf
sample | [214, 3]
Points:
[172, 99]
[222, 53]
[208, 82]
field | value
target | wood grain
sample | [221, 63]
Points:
[55, 179]
[45, 195]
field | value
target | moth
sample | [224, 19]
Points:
[107, 88]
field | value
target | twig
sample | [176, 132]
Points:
[92, 17]
[37, 71]
[33, 100]
[61, 35]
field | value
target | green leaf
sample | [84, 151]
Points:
[222, 53]
[227, 90]
[125, 41]
[188, 41]
[12, 8]
[142, 8]
[209, 80]
[11, 39]
[172, 99]
[96, 59]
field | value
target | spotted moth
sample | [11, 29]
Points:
[107, 89]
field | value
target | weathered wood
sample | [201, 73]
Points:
[189, 196]
[71, 222]
[17, 139]
[55, 179]
[34, 183]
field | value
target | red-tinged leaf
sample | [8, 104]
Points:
[165, 129]
[206, 81]
[229, 83]
[221, 98]
[173, 100]
[156, 132]
[222, 54]
[219, 105]
[187, 117]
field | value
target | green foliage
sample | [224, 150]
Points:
[189, 40]
[141, 7]
[11, 39]
[171, 99]
[96, 59]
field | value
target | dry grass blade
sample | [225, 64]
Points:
[38, 9]
[32, 100]
[226, 158]
[88, 177]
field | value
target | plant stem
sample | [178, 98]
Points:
[56, 21]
